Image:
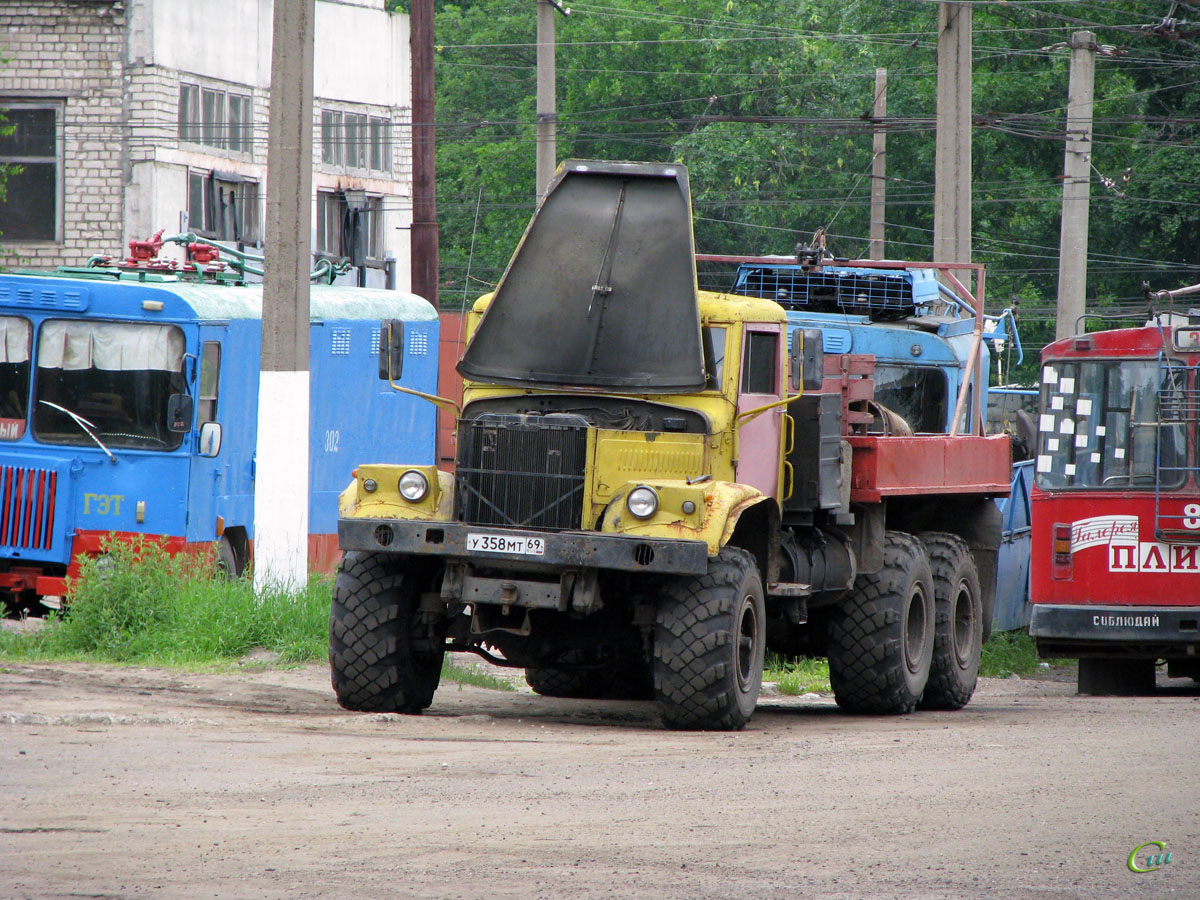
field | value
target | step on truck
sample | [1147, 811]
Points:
[652, 488]
[1116, 503]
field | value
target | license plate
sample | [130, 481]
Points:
[520, 544]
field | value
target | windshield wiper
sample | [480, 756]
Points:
[84, 424]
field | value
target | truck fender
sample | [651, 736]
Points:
[383, 500]
[718, 506]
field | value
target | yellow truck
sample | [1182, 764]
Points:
[653, 484]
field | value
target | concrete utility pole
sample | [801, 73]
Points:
[547, 102]
[281, 468]
[879, 166]
[952, 167]
[1077, 185]
[423, 239]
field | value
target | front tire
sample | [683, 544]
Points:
[958, 622]
[709, 639]
[382, 658]
[881, 636]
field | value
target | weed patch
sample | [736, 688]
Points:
[1013, 653]
[139, 604]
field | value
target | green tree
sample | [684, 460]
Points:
[767, 107]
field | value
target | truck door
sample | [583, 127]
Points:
[759, 441]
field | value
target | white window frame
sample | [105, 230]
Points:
[205, 117]
[331, 208]
[250, 219]
[356, 140]
[58, 106]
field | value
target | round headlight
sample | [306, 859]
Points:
[642, 502]
[413, 486]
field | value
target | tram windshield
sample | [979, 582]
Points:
[117, 377]
[1109, 424]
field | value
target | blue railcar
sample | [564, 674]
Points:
[129, 405]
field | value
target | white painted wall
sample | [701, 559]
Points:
[361, 56]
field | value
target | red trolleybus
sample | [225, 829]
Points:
[1116, 505]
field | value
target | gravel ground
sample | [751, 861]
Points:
[120, 782]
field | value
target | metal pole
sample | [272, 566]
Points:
[1077, 185]
[423, 239]
[952, 167]
[281, 468]
[547, 104]
[878, 166]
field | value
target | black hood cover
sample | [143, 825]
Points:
[601, 292]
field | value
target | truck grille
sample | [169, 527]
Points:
[522, 471]
[27, 498]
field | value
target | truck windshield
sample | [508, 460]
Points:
[1100, 427]
[117, 376]
[16, 336]
[918, 394]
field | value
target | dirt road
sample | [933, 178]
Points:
[134, 783]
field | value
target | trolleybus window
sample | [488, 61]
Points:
[1100, 426]
[210, 381]
[16, 336]
[114, 378]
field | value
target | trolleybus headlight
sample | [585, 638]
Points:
[642, 502]
[413, 486]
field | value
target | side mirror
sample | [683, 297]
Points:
[806, 360]
[180, 408]
[210, 439]
[391, 349]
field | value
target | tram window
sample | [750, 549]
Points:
[210, 381]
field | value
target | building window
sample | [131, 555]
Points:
[31, 155]
[344, 229]
[356, 141]
[189, 113]
[215, 117]
[223, 206]
[239, 123]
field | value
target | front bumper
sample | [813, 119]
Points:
[1066, 630]
[560, 549]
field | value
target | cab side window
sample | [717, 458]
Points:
[210, 381]
[760, 365]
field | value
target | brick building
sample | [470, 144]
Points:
[131, 116]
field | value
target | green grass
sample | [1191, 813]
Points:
[468, 674]
[140, 605]
[801, 675]
[1004, 654]
[1013, 653]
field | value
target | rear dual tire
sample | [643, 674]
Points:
[881, 637]
[958, 622]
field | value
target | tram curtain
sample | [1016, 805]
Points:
[112, 346]
[14, 339]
